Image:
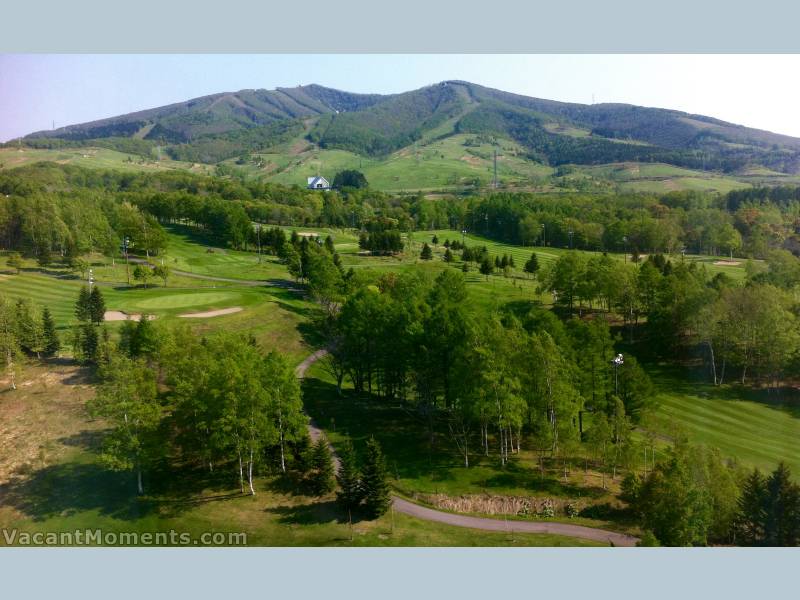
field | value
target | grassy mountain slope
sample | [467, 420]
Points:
[419, 139]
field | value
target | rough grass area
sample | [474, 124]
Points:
[95, 158]
[43, 418]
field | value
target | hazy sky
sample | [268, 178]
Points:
[754, 90]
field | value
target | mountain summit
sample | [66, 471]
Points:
[220, 126]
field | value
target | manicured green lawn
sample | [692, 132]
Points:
[191, 252]
[276, 316]
[755, 428]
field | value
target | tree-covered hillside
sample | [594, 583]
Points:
[221, 126]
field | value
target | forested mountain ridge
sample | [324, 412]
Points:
[220, 126]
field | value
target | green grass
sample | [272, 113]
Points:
[189, 251]
[445, 164]
[91, 497]
[94, 158]
[660, 178]
[276, 316]
[431, 165]
[756, 428]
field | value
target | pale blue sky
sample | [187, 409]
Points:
[754, 90]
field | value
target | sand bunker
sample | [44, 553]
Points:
[727, 263]
[212, 313]
[118, 315]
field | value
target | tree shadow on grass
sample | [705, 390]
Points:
[85, 484]
[316, 513]
[65, 489]
[518, 476]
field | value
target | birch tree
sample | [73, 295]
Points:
[127, 399]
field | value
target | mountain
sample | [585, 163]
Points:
[221, 126]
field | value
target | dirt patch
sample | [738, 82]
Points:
[118, 315]
[43, 417]
[727, 263]
[212, 313]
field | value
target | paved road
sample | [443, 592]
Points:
[576, 531]
[429, 514]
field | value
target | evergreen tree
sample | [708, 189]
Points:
[752, 514]
[83, 310]
[464, 267]
[350, 493]
[97, 306]
[85, 343]
[28, 330]
[15, 261]
[427, 253]
[329, 245]
[782, 526]
[448, 256]
[51, 344]
[322, 479]
[435, 240]
[375, 481]
[144, 341]
[486, 267]
[532, 264]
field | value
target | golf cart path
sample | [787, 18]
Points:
[486, 524]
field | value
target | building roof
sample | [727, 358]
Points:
[318, 181]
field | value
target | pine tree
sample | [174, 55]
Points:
[97, 306]
[28, 329]
[322, 474]
[375, 481]
[752, 514]
[83, 310]
[85, 343]
[427, 253]
[448, 256]
[486, 267]
[15, 261]
[51, 342]
[350, 493]
[532, 265]
[435, 240]
[782, 525]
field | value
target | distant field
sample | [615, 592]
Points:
[453, 163]
[660, 178]
[94, 158]
[440, 164]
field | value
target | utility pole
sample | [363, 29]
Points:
[258, 236]
[617, 360]
[91, 280]
[125, 242]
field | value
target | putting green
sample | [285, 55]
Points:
[187, 300]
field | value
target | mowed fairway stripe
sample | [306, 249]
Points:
[757, 435]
